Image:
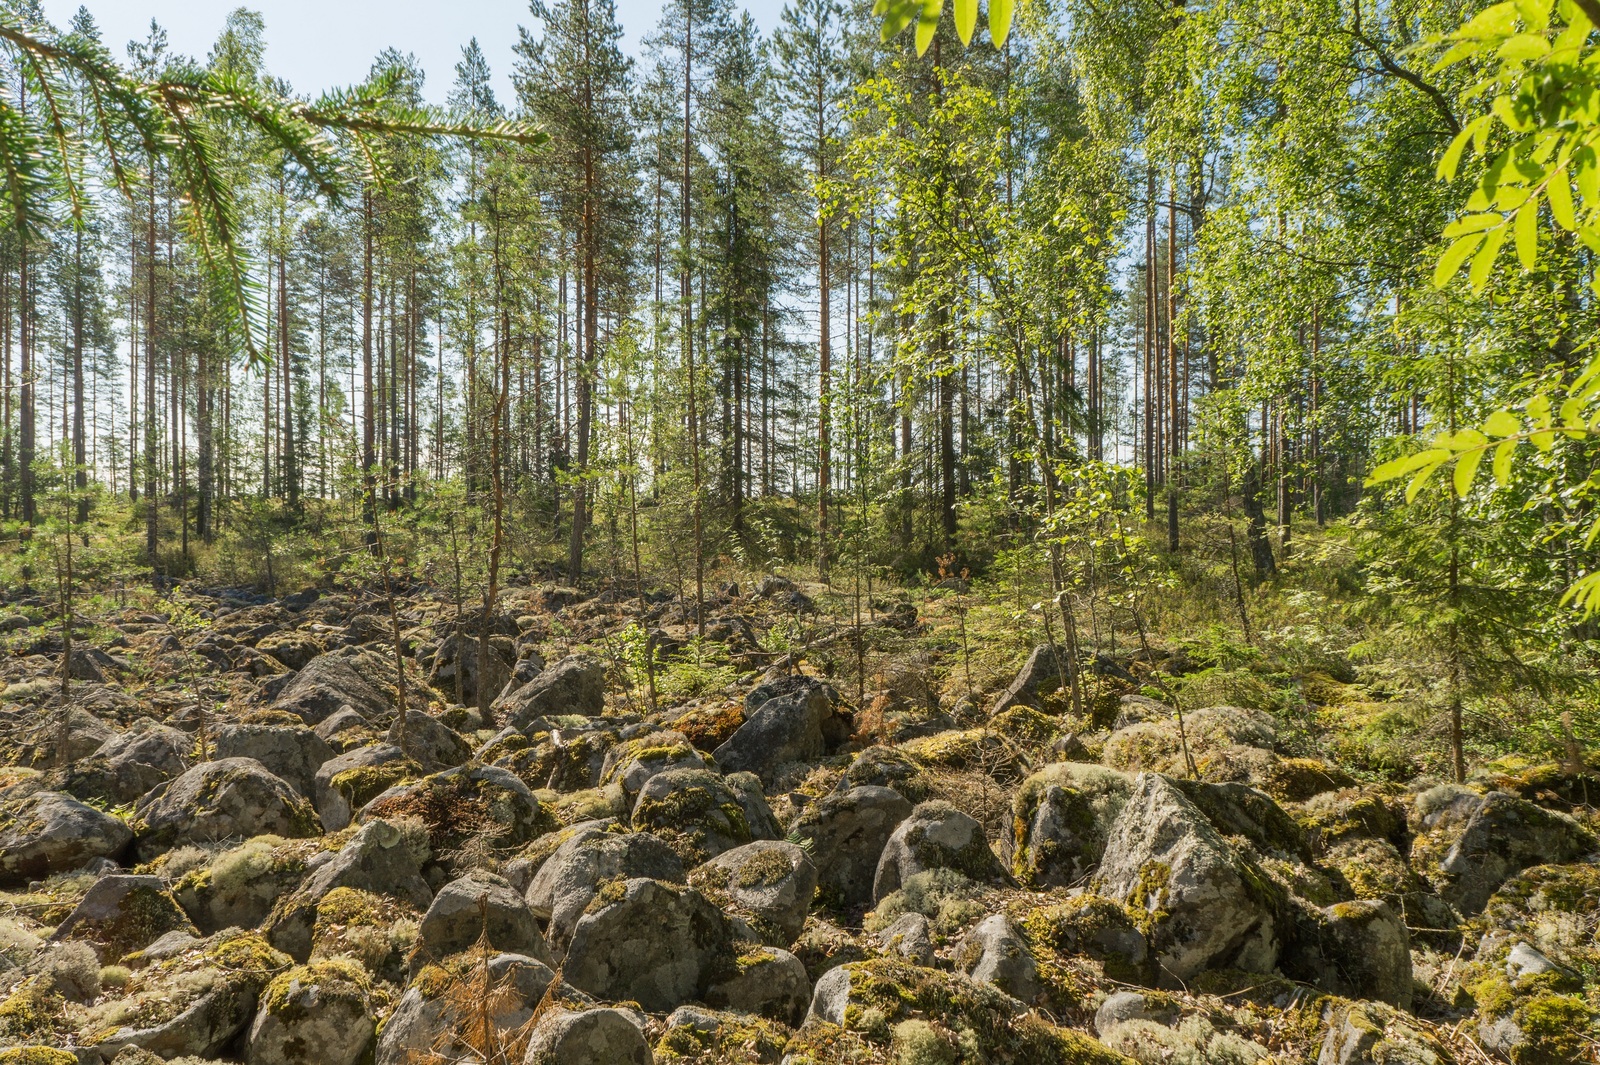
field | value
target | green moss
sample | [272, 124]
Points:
[764, 869]
[609, 891]
[945, 896]
[36, 1056]
[1559, 1028]
[737, 1037]
[362, 784]
[32, 1011]
[333, 978]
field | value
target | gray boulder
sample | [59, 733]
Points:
[48, 832]
[597, 1036]
[427, 1023]
[848, 831]
[693, 811]
[225, 799]
[771, 884]
[317, 1014]
[431, 742]
[768, 982]
[121, 914]
[1060, 819]
[908, 937]
[1358, 949]
[455, 672]
[479, 904]
[129, 764]
[569, 879]
[293, 754]
[327, 684]
[993, 953]
[574, 685]
[380, 858]
[935, 836]
[652, 943]
[349, 781]
[1207, 906]
[1040, 675]
[784, 729]
[1124, 1006]
[1471, 845]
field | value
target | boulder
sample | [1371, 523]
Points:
[1060, 819]
[455, 672]
[427, 1021]
[129, 764]
[1236, 809]
[631, 763]
[908, 937]
[293, 754]
[1123, 1006]
[786, 728]
[349, 781]
[317, 1014]
[381, 858]
[480, 802]
[197, 1000]
[769, 883]
[848, 831]
[1372, 1033]
[697, 814]
[239, 886]
[600, 1035]
[40, 744]
[1363, 950]
[327, 684]
[431, 742]
[1468, 845]
[746, 788]
[993, 953]
[1206, 906]
[649, 942]
[48, 832]
[574, 685]
[479, 904]
[768, 982]
[935, 836]
[224, 799]
[294, 649]
[1040, 675]
[120, 914]
[569, 879]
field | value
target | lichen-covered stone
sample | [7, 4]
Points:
[848, 831]
[767, 982]
[1060, 817]
[694, 811]
[480, 802]
[993, 953]
[48, 832]
[652, 943]
[121, 914]
[317, 1014]
[770, 883]
[291, 753]
[597, 1036]
[569, 879]
[231, 798]
[484, 905]
[574, 685]
[935, 836]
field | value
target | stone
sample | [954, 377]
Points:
[196, 1002]
[935, 836]
[292, 754]
[455, 672]
[120, 914]
[649, 942]
[479, 904]
[597, 1036]
[769, 882]
[631, 763]
[49, 832]
[239, 886]
[317, 1014]
[569, 879]
[294, 649]
[848, 831]
[40, 744]
[344, 729]
[768, 982]
[327, 684]
[1060, 819]
[746, 788]
[993, 953]
[1358, 949]
[380, 858]
[224, 799]
[1372, 1033]
[1471, 845]
[1206, 906]
[480, 802]
[130, 763]
[1040, 675]
[783, 729]
[697, 814]
[347, 782]
[1123, 1006]
[908, 937]
[574, 685]
[431, 743]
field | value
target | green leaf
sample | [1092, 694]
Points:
[1505, 110]
[1523, 47]
[1560, 196]
[1483, 262]
[1502, 423]
[1502, 462]
[1472, 223]
[1466, 469]
[966, 12]
[1000, 15]
[928, 23]
[1450, 162]
[1527, 227]
[1394, 469]
[1420, 481]
[1543, 440]
[1453, 257]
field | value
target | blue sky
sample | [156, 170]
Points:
[317, 44]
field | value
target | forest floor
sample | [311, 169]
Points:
[853, 821]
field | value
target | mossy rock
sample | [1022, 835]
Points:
[694, 811]
[1373, 813]
[1298, 779]
[967, 750]
[1095, 926]
[37, 1056]
[984, 1025]
[33, 1011]
[361, 784]
[945, 896]
[376, 930]
[888, 767]
[709, 728]
[484, 803]
[702, 1036]
[1551, 782]
[1025, 726]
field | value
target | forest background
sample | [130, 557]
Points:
[1112, 322]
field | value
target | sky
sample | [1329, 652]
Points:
[319, 44]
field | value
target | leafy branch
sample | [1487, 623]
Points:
[896, 15]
